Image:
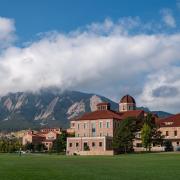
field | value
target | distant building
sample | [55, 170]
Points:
[170, 128]
[44, 136]
[94, 131]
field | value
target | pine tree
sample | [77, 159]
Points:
[123, 140]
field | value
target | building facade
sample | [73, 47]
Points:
[44, 136]
[94, 131]
[170, 128]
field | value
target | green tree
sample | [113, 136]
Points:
[59, 144]
[123, 140]
[39, 147]
[149, 120]
[150, 134]
[146, 136]
[9, 144]
[29, 147]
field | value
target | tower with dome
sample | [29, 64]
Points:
[127, 103]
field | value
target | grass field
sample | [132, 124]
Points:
[125, 167]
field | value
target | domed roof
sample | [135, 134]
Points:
[127, 99]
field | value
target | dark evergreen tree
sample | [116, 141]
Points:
[123, 140]
[59, 144]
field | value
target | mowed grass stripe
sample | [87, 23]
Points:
[125, 167]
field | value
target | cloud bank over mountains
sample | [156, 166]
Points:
[109, 58]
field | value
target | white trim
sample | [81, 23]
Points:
[67, 146]
[104, 143]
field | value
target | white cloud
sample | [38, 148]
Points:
[162, 90]
[168, 18]
[7, 30]
[102, 58]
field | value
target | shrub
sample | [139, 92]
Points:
[168, 145]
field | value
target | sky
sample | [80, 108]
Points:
[107, 47]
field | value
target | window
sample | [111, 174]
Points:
[70, 144]
[107, 124]
[177, 143]
[175, 133]
[86, 147]
[100, 124]
[84, 135]
[167, 133]
[93, 144]
[139, 145]
[100, 144]
[100, 134]
[78, 126]
[84, 125]
[77, 144]
[93, 124]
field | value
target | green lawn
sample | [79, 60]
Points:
[125, 167]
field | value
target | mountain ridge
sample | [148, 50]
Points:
[48, 108]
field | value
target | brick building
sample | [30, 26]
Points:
[170, 128]
[44, 136]
[94, 131]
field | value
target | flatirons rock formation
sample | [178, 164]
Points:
[25, 110]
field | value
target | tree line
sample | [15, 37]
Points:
[13, 144]
[8, 145]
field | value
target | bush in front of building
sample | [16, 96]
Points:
[39, 147]
[168, 145]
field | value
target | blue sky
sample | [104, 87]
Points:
[35, 16]
[107, 47]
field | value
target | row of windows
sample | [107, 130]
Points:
[93, 144]
[102, 107]
[94, 134]
[175, 133]
[93, 125]
[129, 107]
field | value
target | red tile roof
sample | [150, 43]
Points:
[172, 121]
[103, 103]
[133, 113]
[109, 114]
